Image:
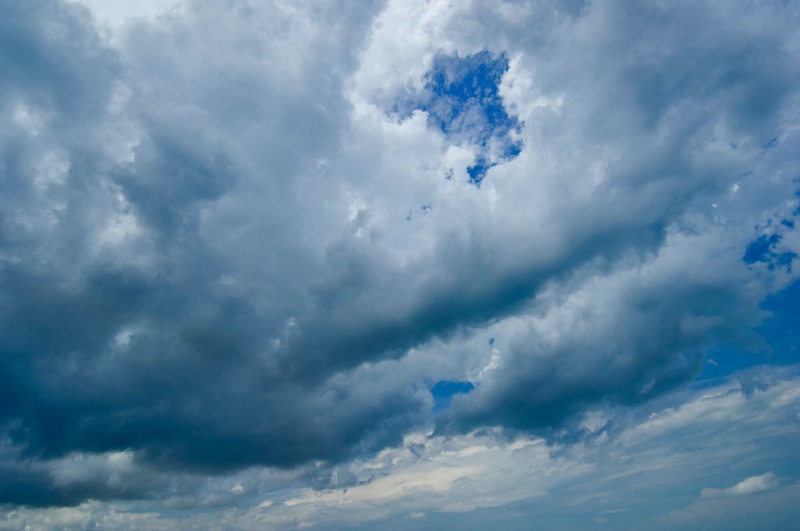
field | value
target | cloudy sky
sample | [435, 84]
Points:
[399, 264]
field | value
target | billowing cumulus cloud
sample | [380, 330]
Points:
[242, 242]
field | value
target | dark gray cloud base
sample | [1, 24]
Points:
[180, 275]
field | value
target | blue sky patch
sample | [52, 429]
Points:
[761, 249]
[764, 250]
[782, 328]
[444, 391]
[461, 96]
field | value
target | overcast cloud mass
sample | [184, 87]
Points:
[399, 264]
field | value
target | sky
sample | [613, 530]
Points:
[399, 264]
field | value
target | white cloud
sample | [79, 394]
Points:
[750, 485]
[116, 13]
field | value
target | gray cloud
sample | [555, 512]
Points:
[205, 259]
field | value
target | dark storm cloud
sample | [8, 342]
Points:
[142, 346]
[53, 58]
[39, 485]
[627, 348]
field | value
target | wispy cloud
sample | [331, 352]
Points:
[750, 485]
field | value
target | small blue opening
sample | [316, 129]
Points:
[763, 250]
[444, 391]
[461, 96]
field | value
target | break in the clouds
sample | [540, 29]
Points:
[296, 263]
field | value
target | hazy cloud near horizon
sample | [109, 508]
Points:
[252, 236]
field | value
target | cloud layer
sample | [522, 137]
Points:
[238, 235]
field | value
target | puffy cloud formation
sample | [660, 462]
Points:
[238, 234]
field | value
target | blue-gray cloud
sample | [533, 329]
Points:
[207, 264]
